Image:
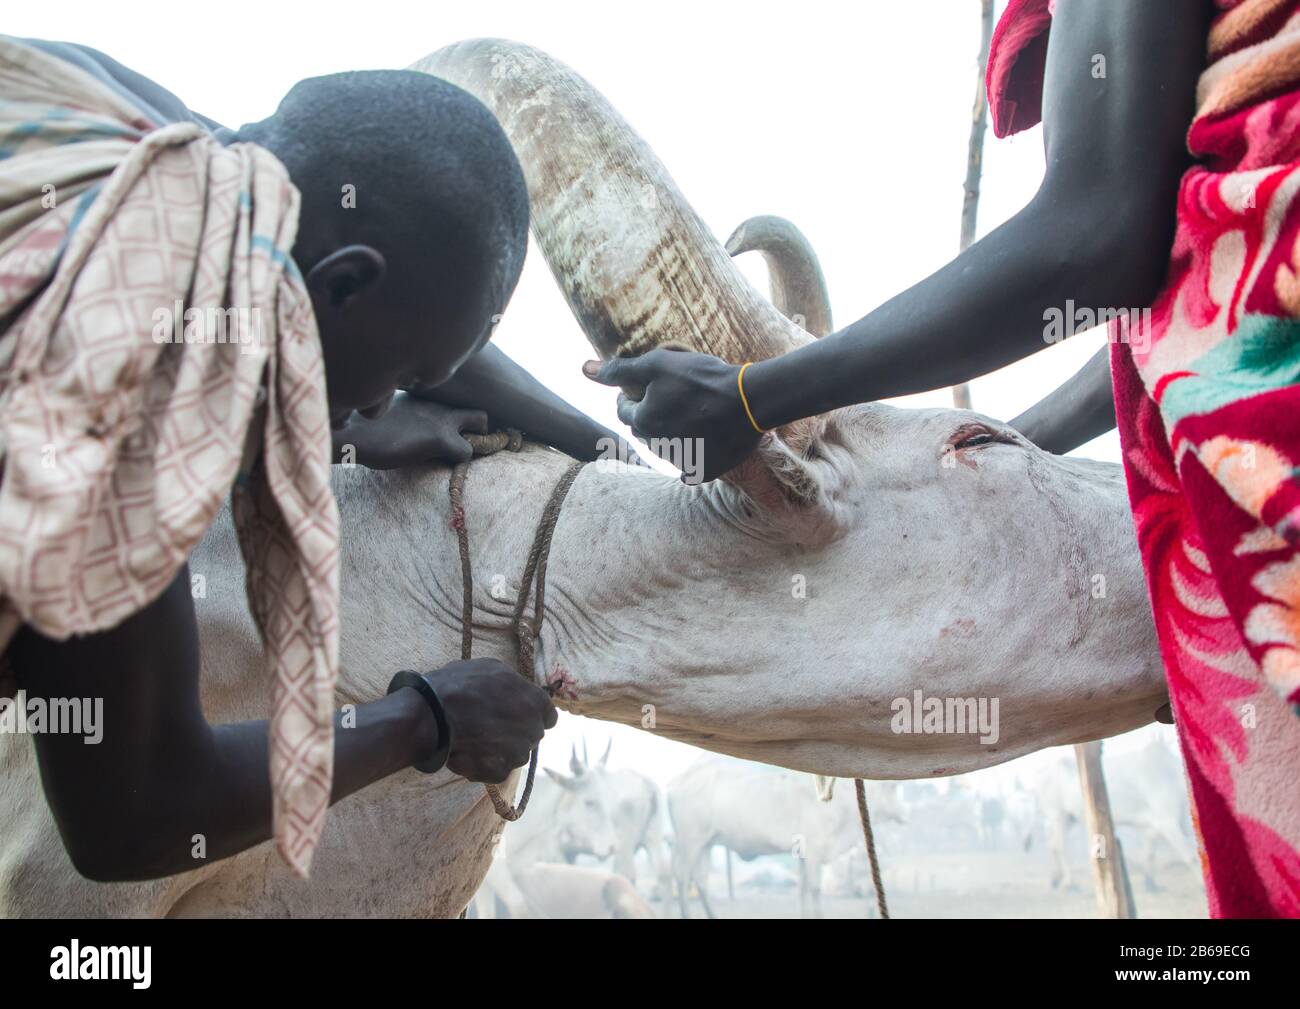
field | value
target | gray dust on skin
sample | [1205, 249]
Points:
[1070, 552]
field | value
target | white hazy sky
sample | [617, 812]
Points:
[850, 119]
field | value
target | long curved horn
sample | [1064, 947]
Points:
[798, 287]
[636, 263]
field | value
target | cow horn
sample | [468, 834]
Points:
[636, 263]
[575, 765]
[798, 287]
[605, 757]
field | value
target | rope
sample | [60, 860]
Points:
[525, 635]
[859, 786]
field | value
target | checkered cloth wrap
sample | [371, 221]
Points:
[123, 423]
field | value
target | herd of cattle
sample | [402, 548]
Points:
[603, 843]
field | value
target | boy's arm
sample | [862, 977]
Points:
[427, 424]
[135, 804]
[491, 381]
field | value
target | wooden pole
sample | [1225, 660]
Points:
[1105, 856]
[974, 164]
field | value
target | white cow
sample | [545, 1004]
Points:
[637, 815]
[903, 533]
[566, 816]
[559, 890]
[1148, 796]
[755, 810]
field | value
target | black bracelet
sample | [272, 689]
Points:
[436, 760]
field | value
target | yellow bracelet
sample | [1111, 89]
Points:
[740, 384]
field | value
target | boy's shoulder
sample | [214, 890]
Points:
[155, 101]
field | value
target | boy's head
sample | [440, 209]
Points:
[413, 228]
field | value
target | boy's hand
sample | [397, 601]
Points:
[413, 431]
[496, 717]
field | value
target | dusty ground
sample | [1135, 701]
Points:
[971, 885]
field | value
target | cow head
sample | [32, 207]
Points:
[582, 814]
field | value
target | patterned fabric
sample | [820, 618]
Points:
[1208, 404]
[129, 396]
[1013, 80]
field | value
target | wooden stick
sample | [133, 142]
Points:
[974, 164]
[1105, 856]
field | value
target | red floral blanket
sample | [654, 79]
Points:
[1208, 404]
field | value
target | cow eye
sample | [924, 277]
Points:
[977, 435]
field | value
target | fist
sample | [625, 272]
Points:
[496, 717]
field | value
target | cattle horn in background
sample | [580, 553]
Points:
[795, 279]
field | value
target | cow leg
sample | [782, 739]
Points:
[662, 872]
[485, 903]
[815, 887]
[1182, 847]
[653, 840]
[625, 863]
[1060, 864]
[501, 885]
[700, 873]
[1058, 836]
[1152, 846]
[682, 875]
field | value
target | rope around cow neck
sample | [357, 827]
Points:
[525, 633]
[526, 636]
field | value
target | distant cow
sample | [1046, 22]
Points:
[757, 810]
[567, 815]
[636, 813]
[559, 890]
[1148, 795]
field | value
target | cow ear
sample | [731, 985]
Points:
[564, 781]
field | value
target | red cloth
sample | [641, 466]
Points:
[1207, 396]
[1017, 59]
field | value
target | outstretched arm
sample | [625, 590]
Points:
[1098, 233]
[491, 381]
[427, 424]
[1074, 413]
[134, 804]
